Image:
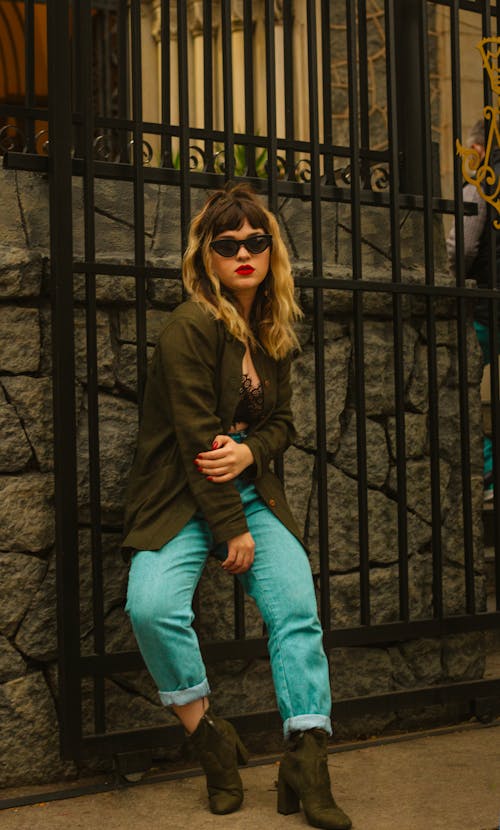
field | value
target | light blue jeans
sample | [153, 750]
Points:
[159, 602]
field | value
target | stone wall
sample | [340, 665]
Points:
[28, 641]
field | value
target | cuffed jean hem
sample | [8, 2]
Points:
[301, 723]
[183, 696]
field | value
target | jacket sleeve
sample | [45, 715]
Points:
[187, 361]
[277, 432]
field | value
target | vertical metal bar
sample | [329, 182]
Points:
[359, 358]
[107, 104]
[239, 611]
[390, 29]
[364, 102]
[123, 84]
[61, 264]
[462, 318]
[166, 138]
[250, 150]
[140, 259]
[208, 93]
[319, 330]
[437, 555]
[183, 81]
[326, 53]
[77, 69]
[289, 87]
[272, 142]
[85, 30]
[29, 63]
[227, 82]
[408, 77]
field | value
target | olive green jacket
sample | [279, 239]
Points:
[191, 396]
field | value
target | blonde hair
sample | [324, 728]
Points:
[274, 309]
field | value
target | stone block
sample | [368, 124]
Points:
[165, 292]
[113, 576]
[15, 451]
[27, 516]
[337, 355]
[33, 190]
[105, 354]
[156, 319]
[464, 656]
[454, 591]
[415, 433]
[126, 710]
[418, 487]
[343, 526]
[377, 456]
[423, 657]
[21, 575]
[299, 467]
[241, 687]
[32, 400]
[110, 289]
[19, 339]
[118, 421]
[36, 637]
[126, 367]
[13, 234]
[360, 671]
[20, 273]
[384, 594]
[29, 739]
[379, 364]
[12, 664]
[450, 422]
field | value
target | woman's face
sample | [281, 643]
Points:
[242, 273]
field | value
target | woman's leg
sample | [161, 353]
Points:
[159, 602]
[280, 581]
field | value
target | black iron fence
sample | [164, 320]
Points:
[94, 128]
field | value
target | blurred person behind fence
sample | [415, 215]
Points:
[476, 267]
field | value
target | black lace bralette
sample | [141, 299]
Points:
[251, 402]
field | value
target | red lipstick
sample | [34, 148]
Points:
[245, 270]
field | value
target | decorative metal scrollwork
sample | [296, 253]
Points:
[147, 151]
[197, 158]
[379, 177]
[280, 168]
[303, 170]
[220, 161]
[12, 139]
[478, 170]
[105, 147]
[42, 142]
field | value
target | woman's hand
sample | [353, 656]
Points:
[225, 461]
[240, 553]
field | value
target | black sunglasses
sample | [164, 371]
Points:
[254, 244]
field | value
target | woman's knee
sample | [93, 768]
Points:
[149, 609]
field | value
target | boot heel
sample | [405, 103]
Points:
[288, 800]
[242, 752]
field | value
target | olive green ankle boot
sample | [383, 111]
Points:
[303, 776]
[219, 749]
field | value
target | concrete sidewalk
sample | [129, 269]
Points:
[443, 781]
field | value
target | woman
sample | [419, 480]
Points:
[216, 412]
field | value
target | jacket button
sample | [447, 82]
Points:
[266, 383]
[272, 503]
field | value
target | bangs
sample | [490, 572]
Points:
[232, 215]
